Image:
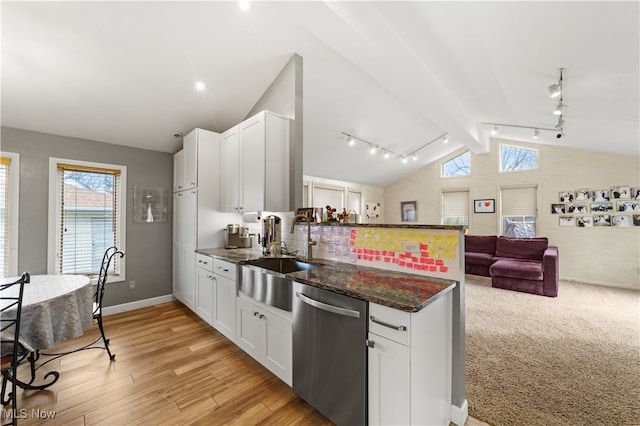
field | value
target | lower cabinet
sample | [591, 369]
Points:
[267, 336]
[216, 294]
[410, 364]
[224, 298]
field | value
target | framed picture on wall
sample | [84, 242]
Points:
[600, 195]
[621, 221]
[621, 193]
[558, 208]
[583, 195]
[566, 196]
[567, 221]
[584, 221]
[409, 211]
[487, 205]
[601, 220]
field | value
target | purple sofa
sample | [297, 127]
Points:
[522, 264]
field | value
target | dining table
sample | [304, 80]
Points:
[54, 308]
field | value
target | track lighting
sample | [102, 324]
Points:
[494, 131]
[560, 123]
[536, 130]
[559, 109]
[555, 89]
[536, 133]
[387, 153]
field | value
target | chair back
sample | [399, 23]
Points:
[10, 313]
[104, 273]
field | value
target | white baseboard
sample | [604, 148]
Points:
[110, 310]
[459, 414]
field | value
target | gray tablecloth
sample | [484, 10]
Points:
[55, 308]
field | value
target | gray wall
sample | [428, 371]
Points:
[284, 96]
[148, 245]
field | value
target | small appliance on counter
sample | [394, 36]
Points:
[237, 237]
[271, 234]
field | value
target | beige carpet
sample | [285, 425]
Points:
[570, 360]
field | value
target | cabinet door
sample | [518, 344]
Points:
[388, 382]
[279, 347]
[190, 148]
[204, 294]
[252, 160]
[178, 171]
[224, 312]
[250, 329]
[177, 249]
[229, 170]
[189, 241]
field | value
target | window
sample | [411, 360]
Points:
[458, 166]
[455, 208]
[327, 196]
[9, 204]
[513, 158]
[354, 202]
[86, 216]
[518, 206]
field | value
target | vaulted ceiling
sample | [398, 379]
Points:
[395, 74]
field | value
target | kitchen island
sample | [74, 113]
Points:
[409, 334]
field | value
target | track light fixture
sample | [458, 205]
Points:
[494, 131]
[555, 89]
[387, 153]
[559, 109]
[536, 130]
[536, 133]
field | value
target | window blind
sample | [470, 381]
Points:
[355, 202]
[455, 204]
[323, 197]
[519, 201]
[5, 203]
[88, 218]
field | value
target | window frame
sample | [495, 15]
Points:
[14, 212]
[442, 176]
[55, 195]
[536, 150]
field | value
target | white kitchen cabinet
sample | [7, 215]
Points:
[255, 167]
[205, 287]
[197, 222]
[224, 298]
[185, 163]
[410, 364]
[267, 336]
[185, 211]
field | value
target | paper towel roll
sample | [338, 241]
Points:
[252, 217]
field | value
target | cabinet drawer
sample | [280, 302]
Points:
[390, 323]
[204, 262]
[224, 268]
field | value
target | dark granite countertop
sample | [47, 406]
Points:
[402, 291]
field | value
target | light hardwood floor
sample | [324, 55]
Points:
[171, 368]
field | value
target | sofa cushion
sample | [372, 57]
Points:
[478, 258]
[521, 248]
[480, 243]
[520, 269]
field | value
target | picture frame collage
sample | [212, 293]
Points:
[618, 206]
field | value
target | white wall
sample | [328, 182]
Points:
[599, 255]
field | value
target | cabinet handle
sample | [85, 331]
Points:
[256, 313]
[261, 316]
[224, 269]
[179, 186]
[386, 324]
[369, 343]
[193, 183]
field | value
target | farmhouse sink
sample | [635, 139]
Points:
[264, 280]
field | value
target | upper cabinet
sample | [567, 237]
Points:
[185, 163]
[254, 167]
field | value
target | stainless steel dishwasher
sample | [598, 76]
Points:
[330, 354]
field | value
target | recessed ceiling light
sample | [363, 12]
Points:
[244, 5]
[200, 86]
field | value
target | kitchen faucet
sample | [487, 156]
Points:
[310, 242]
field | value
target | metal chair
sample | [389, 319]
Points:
[12, 351]
[102, 280]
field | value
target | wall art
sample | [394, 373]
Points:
[629, 206]
[484, 206]
[622, 221]
[636, 219]
[409, 211]
[620, 193]
[577, 208]
[566, 196]
[150, 204]
[584, 221]
[583, 195]
[601, 220]
[635, 193]
[558, 208]
[601, 207]
[567, 220]
[600, 195]
[373, 210]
